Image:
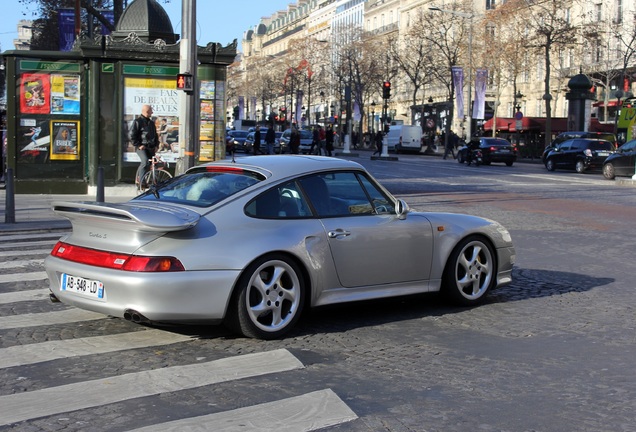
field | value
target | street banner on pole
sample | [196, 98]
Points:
[458, 82]
[479, 104]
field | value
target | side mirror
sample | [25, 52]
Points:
[401, 209]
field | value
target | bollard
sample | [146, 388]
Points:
[9, 203]
[100, 185]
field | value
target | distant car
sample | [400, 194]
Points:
[621, 163]
[306, 139]
[254, 243]
[236, 139]
[492, 150]
[564, 136]
[581, 154]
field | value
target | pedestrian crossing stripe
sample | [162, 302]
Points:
[311, 411]
[48, 318]
[60, 349]
[24, 263]
[89, 394]
[18, 296]
[27, 252]
[22, 277]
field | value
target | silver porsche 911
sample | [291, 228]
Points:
[252, 243]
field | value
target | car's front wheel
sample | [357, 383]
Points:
[608, 171]
[269, 298]
[549, 165]
[470, 271]
[460, 157]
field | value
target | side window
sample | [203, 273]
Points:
[280, 202]
[344, 194]
[565, 145]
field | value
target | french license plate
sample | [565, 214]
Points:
[603, 153]
[504, 151]
[86, 287]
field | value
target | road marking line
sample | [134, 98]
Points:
[88, 394]
[25, 252]
[24, 263]
[59, 349]
[18, 296]
[308, 412]
[48, 318]
[22, 277]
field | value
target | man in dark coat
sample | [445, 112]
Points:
[143, 135]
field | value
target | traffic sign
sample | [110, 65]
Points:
[518, 115]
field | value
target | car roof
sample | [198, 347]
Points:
[283, 166]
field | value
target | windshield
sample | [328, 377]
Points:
[305, 134]
[202, 188]
[239, 134]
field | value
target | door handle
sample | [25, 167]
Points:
[338, 233]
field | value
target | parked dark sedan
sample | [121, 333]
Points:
[492, 150]
[581, 154]
[622, 162]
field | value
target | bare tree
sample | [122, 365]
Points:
[550, 28]
[412, 54]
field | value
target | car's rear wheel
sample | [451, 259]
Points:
[460, 157]
[549, 165]
[509, 163]
[470, 271]
[608, 171]
[269, 298]
[580, 166]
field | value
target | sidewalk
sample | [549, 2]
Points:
[33, 212]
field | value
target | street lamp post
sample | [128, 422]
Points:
[470, 62]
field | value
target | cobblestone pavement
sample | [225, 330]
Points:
[551, 352]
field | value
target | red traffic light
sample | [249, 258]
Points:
[185, 82]
[386, 89]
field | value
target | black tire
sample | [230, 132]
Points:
[549, 165]
[269, 298]
[608, 171]
[460, 158]
[580, 166]
[471, 271]
[509, 163]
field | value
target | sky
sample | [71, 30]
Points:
[219, 21]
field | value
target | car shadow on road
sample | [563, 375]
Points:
[527, 284]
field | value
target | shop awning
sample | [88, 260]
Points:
[601, 104]
[502, 124]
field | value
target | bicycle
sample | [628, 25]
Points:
[156, 174]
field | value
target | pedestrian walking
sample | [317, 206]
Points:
[270, 139]
[329, 140]
[256, 147]
[294, 141]
[378, 143]
[450, 144]
[144, 137]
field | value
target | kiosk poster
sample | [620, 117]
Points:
[65, 98]
[163, 96]
[35, 93]
[65, 140]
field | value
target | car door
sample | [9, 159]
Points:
[369, 244]
[559, 154]
[624, 165]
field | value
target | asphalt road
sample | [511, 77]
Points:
[551, 352]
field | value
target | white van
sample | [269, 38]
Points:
[405, 138]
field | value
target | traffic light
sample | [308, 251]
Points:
[386, 90]
[185, 82]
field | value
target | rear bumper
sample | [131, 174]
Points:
[189, 296]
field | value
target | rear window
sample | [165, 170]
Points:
[496, 142]
[203, 187]
[305, 134]
[238, 134]
[601, 145]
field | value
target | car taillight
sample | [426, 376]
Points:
[588, 152]
[116, 261]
